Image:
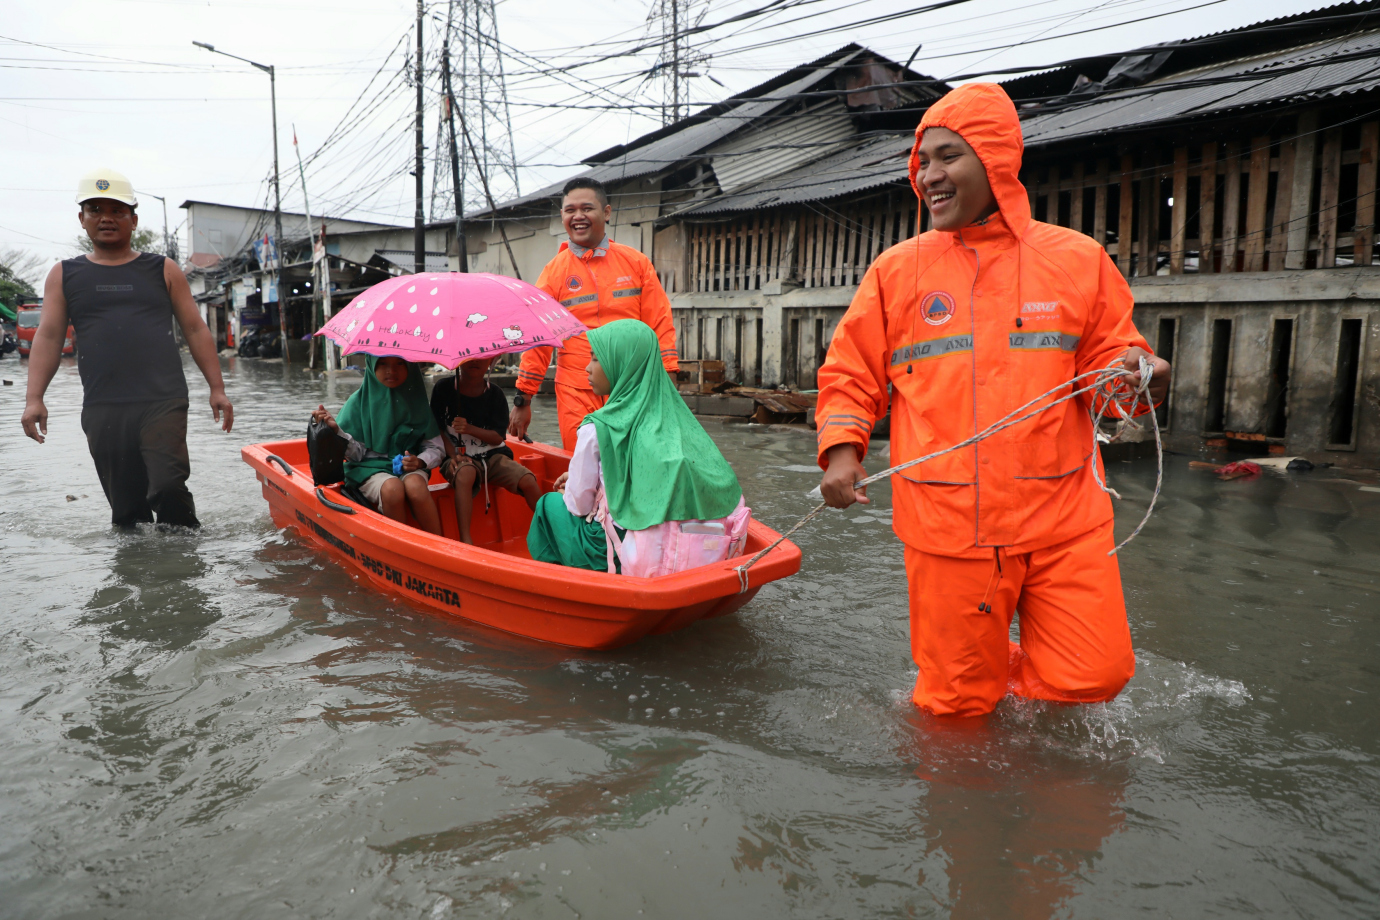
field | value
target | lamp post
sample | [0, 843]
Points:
[169, 244]
[277, 190]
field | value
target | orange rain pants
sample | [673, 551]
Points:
[572, 405]
[1075, 642]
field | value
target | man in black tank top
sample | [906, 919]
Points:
[134, 405]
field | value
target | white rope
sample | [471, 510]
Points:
[1107, 380]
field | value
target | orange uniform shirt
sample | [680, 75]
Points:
[598, 286]
[954, 330]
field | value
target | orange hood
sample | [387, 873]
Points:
[983, 115]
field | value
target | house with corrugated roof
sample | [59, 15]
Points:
[1232, 178]
[722, 203]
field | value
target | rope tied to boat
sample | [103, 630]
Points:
[1113, 397]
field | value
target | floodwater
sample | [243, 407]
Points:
[226, 724]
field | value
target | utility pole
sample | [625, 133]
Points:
[316, 319]
[419, 218]
[675, 61]
[169, 244]
[679, 58]
[461, 248]
[277, 188]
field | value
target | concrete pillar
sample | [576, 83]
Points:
[771, 341]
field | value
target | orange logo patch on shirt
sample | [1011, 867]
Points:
[937, 308]
[574, 282]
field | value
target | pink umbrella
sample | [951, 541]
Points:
[449, 318]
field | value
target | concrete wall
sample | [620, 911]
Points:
[1317, 303]
[711, 325]
[725, 327]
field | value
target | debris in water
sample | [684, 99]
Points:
[71, 498]
[1237, 470]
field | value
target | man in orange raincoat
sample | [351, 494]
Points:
[598, 281]
[963, 324]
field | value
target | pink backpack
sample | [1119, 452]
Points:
[673, 546]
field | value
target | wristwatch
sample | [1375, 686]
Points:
[520, 400]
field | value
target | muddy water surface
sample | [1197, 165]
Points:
[226, 724]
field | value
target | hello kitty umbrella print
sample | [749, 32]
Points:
[449, 318]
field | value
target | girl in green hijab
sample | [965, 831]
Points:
[653, 459]
[393, 441]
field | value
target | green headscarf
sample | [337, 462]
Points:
[387, 421]
[659, 463]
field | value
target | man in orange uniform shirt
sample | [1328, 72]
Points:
[598, 281]
[965, 323]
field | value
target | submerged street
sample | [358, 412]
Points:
[227, 724]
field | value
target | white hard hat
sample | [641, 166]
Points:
[106, 183]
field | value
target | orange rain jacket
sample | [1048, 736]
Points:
[964, 327]
[598, 286]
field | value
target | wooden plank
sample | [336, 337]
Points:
[1126, 209]
[1363, 237]
[1099, 227]
[831, 252]
[810, 227]
[790, 250]
[1300, 199]
[1207, 208]
[1076, 198]
[726, 261]
[778, 244]
[707, 259]
[763, 250]
[1178, 220]
[736, 252]
[1257, 190]
[839, 233]
[1282, 220]
[1331, 167]
[1052, 197]
[1231, 208]
[698, 249]
[1147, 229]
[843, 234]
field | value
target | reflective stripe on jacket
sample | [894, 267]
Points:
[599, 286]
[964, 327]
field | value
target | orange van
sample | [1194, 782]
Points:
[28, 325]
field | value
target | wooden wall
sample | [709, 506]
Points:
[1300, 198]
[816, 245]
[1305, 199]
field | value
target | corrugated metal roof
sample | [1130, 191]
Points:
[776, 147]
[1331, 67]
[869, 164]
[404, 259]
[668, 151]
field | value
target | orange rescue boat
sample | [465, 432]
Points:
[495, 581]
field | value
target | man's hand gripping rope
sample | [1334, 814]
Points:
[1111, 392]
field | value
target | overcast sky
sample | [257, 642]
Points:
[117, 83]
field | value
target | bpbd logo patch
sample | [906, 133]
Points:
[574, 282]
[938, 308]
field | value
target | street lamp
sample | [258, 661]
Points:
[169, 244]
[277, 191]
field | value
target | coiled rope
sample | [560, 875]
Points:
[1110, 393]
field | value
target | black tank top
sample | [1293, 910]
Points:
[123, 318]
